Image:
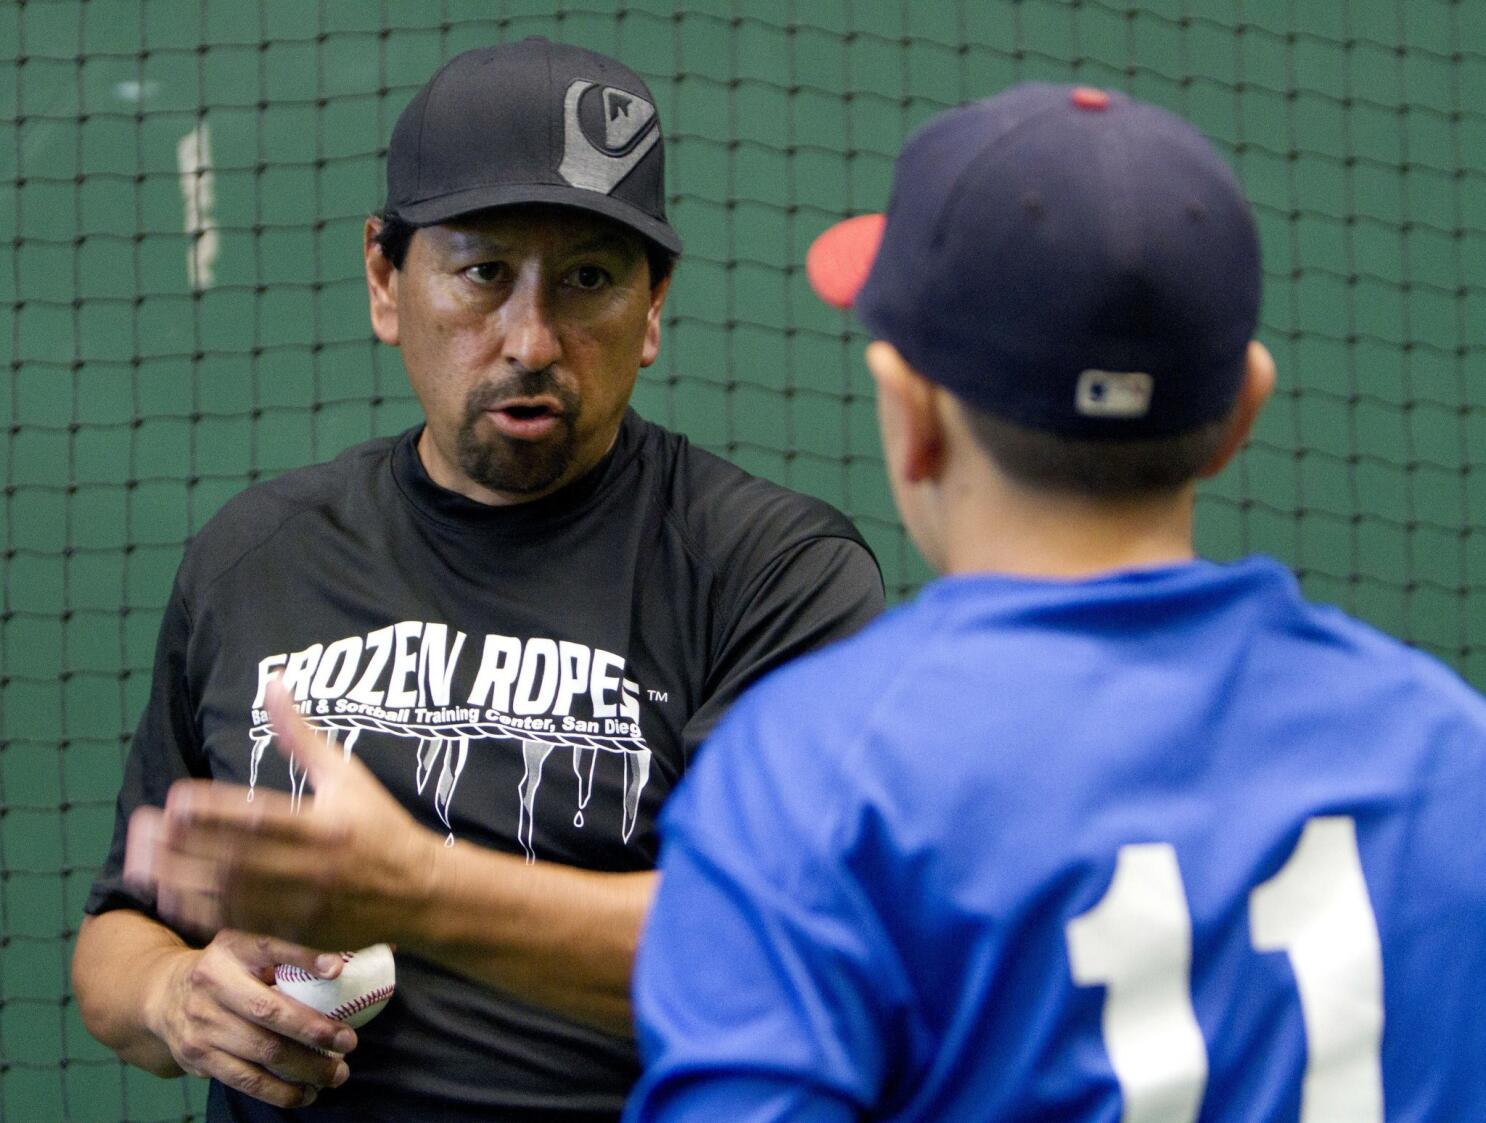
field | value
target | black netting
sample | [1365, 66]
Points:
[182, 186]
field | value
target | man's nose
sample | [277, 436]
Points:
[531, 338]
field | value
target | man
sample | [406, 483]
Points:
[515, 623]
[1092, 830]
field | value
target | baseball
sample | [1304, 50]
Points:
[355, 996]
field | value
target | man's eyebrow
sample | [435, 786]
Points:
[466, 241]
[607, 241]
[603, 241]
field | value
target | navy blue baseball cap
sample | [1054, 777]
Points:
[531, 122]
[1069, 259]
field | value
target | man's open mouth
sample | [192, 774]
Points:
[527, 418]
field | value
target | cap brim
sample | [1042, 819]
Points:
[429, 211]
[840, 259]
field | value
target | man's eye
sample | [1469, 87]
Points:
[487, 272]
[588, 277]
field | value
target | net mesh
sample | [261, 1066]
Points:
[184, 182]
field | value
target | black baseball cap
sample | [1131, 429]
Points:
[1066, 258]
[531, 122]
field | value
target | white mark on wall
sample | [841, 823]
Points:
[135, 90]
[193, 157]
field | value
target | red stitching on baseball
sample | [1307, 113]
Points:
[296, 974]
[360, 1002]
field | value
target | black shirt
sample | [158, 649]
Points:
[530, 678]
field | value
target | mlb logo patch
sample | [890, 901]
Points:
[1114, 393]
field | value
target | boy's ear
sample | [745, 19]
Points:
[908, 413]
[1258, 383]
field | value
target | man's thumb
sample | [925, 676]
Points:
[294, 736]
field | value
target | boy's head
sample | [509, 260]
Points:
[1080, 270]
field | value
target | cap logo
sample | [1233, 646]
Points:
[1110, 393]
[630, 131]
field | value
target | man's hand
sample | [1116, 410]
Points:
[353, 868]
[218, 1015]
[342, 872]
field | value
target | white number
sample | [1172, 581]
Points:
[1137, 943]
[1316, 911]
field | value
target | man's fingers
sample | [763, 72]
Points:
[140, 848]
[292, 1023]
[295, 738]
[205, 882]
[188, 898]
[283, 1051]
[224, 1021]
[234, 981]
[193, 865]
[206, 893]
[256, 1081]
[221, 865]
[192, 801]
[264, 953]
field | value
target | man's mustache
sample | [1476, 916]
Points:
[524, 384]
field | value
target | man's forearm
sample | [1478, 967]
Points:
[119, 964]
[549, 934]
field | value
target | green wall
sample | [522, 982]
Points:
[139, 400]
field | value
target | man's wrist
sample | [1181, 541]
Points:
[163, 984]
[419, 894]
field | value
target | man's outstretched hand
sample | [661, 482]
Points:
[346, 869]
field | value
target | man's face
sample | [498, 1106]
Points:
[522, 330]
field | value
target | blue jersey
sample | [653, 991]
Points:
[1169, 845]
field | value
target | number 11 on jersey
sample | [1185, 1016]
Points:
[1137, 943]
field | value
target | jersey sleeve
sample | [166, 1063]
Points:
[766, 987]
[817, 591]
[166, 748]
